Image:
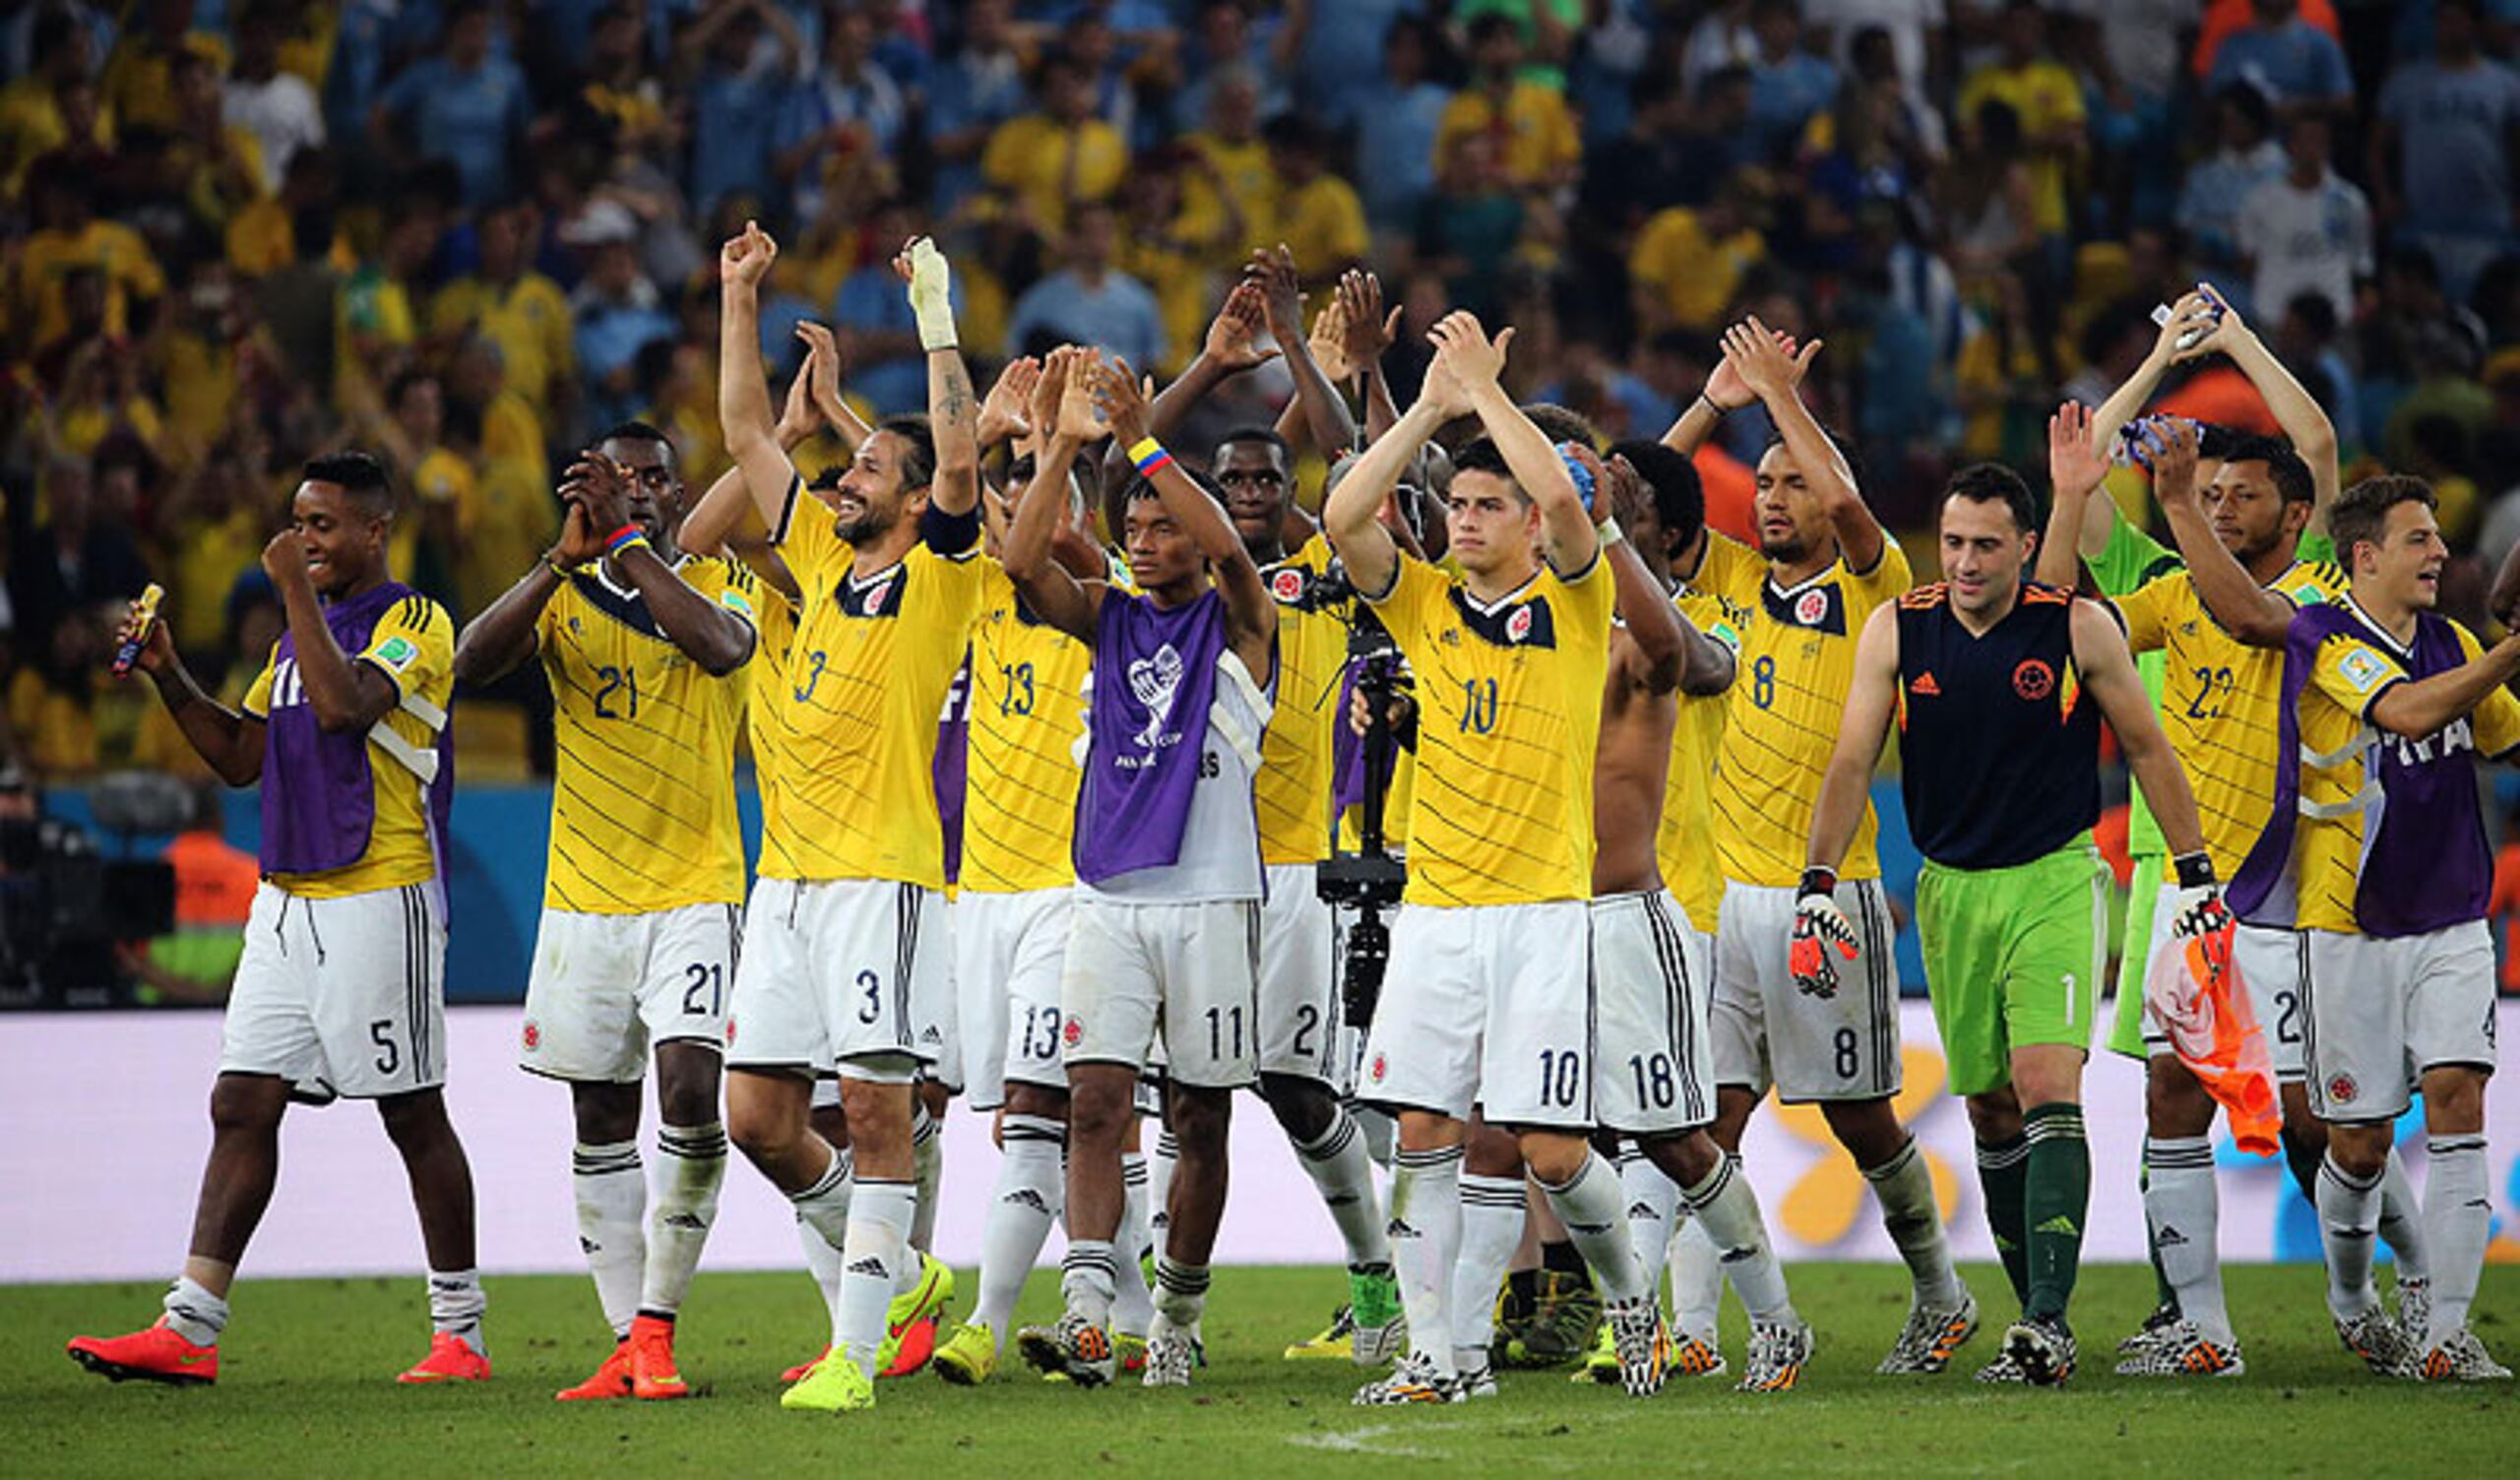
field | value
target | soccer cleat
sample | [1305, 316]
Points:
[1412, 1379]
[966, 1357]
[925, 1299]
[1335, 1342]
[2378, 1340]
[1132, 1351]
[2164, 1317]
[1778, 1354]
[154, 1354]
[2461, 1359]
[2043, 1348]
[1378, 1328]
[1932, 1338]
[612, 1379]
[834, 1385]
[796, 1373]
[911, 1351]
[2415, 1312]
[2180, 1350]
[451, 1359]
[1169, 1359]
[2004, 1369]
[1565, 1318]
[654, 1377]
[1643, 1342]
[1692, 1356]
[1600, 1364]
[1474, 1382]
[1075, 1349]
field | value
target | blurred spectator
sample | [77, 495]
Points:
[1469, 229]
[2306, 341]
[139, 78]
[878, 333]
[1235, 165]
[739, 57]
[1406, 105]
[2244, 158]
[76, 557]
[617, 312]
[54, 103]
[2305, 230]
[2282, 55]
[1319, 215]
[1059, 155]
[974, 88]
[2441, 148]
[1912, 28]
[1341, 50]
[1688, 262]
[1723, 38]
[2047, 102]
[68, 239]
[279, 109]
[214, 885]
[1089, 301]
[1532, 133]
[1787, 85]
[462, 104]
[522, 309]
[844, 107]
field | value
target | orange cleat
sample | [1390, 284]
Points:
[612, 1379]
[449, 1360]
[918, 1345]
[651, 1368]
[157, 1354]
[796, 1373]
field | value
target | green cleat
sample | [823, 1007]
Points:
[1378, 1329]
[834, 1385]
[968, 1357]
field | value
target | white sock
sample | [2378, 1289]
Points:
[693, 1159]
[1728, 1210]
[1697, 1279]
[927, 1167]
[1181, 1297]
[1030, 1190]
[1588, 1205]
[1159, 1187]
[1425, 1244]
[822, 1221]
[611, 1189]
[1653, 1204]
[1492, 1224]
[878, 1245]
[2181, 1205]
[2402, 1220]
[2349, 1220]
[456, 1305]
[1904, 1187]
[1132, 1303]
[1345, 1176]
[2458, 1220]
[196, 1315]
[1085, 1280]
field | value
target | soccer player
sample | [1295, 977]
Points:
[842, 965]
[1998, 687]
[1488, 999]
[339, 992]
[642, 644]
[1164, 936]
[2376, 851]
[1829, 567]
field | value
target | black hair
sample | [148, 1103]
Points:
[1680, 496]
[1480, 454]
[919, 470]
[1260, 434]
[1845, 449]
[1560, 424]
[1995, 483]
[1141, 488]
[1295, 134]
[356, 474]
[2214, 443]
[2252, 105]
[405, 381]
[2361, 512]
[2109, 326]
[637, 431]
[2292, 475]
[2317, 313]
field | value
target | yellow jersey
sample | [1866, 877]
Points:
[414, 644]
[643, 804]
[529, 321]
[1292, 791]
[1021, 772]
[1509, 698]
[2221, 699]
[867, 674]
[765, 721]
[1781, 723]
[2352, 671]
[1681, 844]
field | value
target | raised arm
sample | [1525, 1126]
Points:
[743, 392]
[2419, 708]
[709, 524]
[1476, 363]
[1862, 730]
[2295, 408]
[822, 359]
[2076, 465]
[1657, 636]
[346, 696]
[230, 742]
[1327, 419]
[1365, 331]
[1724, 394]
[508, 630]
[1758, 356]
[708, 633]
[1351, 515]
[1062, 415]
[952, 408]
[2245, 609]
[2109, 676]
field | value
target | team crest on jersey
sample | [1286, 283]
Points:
[2342, 1089]
[532, 1035]
[1286, 585]
[1811, 607]
[1519, 625]
[2033, 680]
[1817, 609]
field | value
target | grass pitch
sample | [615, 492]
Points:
[306, 1389]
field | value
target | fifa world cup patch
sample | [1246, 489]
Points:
[2363, 668]
[396, 653]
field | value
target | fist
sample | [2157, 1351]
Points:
[746, 259]
[285, 557]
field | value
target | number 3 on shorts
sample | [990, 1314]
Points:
[873, 986]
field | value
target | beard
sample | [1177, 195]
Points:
[1788, 550]
[871, 525]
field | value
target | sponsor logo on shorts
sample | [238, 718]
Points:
[532, 1035]
[2033, 680]
[2342, 1089]
[730, 1033]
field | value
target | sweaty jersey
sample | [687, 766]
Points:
[414, 644]
[643, 805]
[1685, 845]
[1027, 715]
[1999, 756]
[2220, 697]
[1781, 726]
[1509, 699]
[867, 674]
[1292, 788]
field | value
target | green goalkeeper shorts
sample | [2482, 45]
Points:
[2134, 954]
[2013, 958]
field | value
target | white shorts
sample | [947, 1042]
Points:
[604, 987]
[1650, 992]
[841, 972]
[1183, 974]
[1008, 952]
[2271, 962]
[1298, 995]
[341, 997]
[2382, 1013]
[1768, 1032]
[1490, 1005]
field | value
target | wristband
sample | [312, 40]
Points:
[551, 561]
[1708, 402]
[1818, 881]
[2194, 870]
[1608, 532]
[625, 539]
[1148, 455]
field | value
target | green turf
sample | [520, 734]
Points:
[304, 1390]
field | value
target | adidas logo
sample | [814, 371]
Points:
[1588, 1229]
[872, 1267]
[587, 1246]
[1398, 1228]
[1736, 1255]
[2060, 1224]
[688, 1222]
[2169, 1238]
[1926, 686]
[1640, 1212]
[1024, 1197]
[930, 1036]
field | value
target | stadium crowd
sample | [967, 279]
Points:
[466, 235]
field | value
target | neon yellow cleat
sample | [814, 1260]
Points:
[1335, 1342]
[968, 1357]
[834, 1385]
[926, 1297]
